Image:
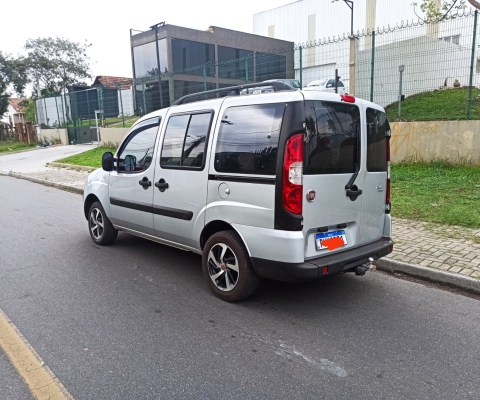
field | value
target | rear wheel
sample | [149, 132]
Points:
[101, 229]
[227, 267]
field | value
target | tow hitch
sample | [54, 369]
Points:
[363, 269]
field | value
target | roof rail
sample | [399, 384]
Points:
[235, 90]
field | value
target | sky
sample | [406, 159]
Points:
[106, 23]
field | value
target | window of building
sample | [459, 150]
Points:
[182, 88]
[377, 128]
[238, 69]
[248, 139]
[455, 39]
[270, 66]
[136, 153]
[187, 54]
[185, 141]
[145, 59]
[147, 97]
[332, 140]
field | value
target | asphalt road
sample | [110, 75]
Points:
[35, 160]
[136, 321]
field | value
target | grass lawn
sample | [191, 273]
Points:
[440, 105]
[10, 147]
[116, 122]
[436, 192]
[89, 158]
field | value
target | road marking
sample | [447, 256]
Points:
[39, 378]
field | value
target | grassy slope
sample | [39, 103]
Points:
[437, 193]
[440, 105]
[10, 147]
[89, 158]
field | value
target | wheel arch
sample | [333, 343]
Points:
[91, 198]
[217, 226]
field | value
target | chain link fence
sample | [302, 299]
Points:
[381, 66]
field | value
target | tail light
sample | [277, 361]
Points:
[292, 189]
[388, 205]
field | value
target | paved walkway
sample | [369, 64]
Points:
[448, 248]
[440, 247]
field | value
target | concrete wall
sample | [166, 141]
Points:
[47, 135]
[454, 141]
[112, 135]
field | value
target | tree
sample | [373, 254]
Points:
[435, 13]
[57, 63]
[12, 75]
[29, 109]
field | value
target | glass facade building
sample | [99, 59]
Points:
[192, 61]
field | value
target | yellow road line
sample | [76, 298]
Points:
[39, 378]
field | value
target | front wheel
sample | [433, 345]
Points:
[101, 229]
[227, 267]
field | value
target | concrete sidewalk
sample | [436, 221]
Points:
[445, 254]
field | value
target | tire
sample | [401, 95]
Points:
[101, 229]
[227, 267]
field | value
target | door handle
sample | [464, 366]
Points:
[354, 192]
[161, 185]
[145, 183]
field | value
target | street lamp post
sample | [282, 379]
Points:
[158, 60]
[349, 3]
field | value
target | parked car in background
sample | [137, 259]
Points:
[326, 85]
[268, 89]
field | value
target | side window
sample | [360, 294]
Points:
[332, 140]
[185, 141]
[340, 84]
[330, 83]
[136, 153]
[377, 128]
[248, 139]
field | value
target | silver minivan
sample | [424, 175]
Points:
[290, 185]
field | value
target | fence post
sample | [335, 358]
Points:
[205, 78]
[372, 72]
[469, 107]
[246, 70]
[352, 65]
[58, 114]
[46, 112]
[301, 81]
[144, 100]
[88, 109]
[121, 105]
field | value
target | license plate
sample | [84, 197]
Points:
[330, 240]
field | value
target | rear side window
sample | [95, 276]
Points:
[248, 139]
[332, 139]
[185, 141]
[377, 128]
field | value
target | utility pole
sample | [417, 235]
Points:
[158, 60]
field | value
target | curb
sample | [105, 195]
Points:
[429, 274]
[71, 166]
[46, 183]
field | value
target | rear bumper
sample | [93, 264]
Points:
[312, 269]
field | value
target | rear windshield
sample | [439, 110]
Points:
[331, 144]
[248, 139]
[377, 127]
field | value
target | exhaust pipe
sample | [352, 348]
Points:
[363, 269]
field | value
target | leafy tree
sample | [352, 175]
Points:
[29, 109]
[433, 12]
[57, 63]
[12, 75]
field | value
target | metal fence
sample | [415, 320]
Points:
[380, 66]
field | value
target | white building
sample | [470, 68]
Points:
[14, 114]
[308, 21]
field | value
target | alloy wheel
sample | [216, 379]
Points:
[223, 267]
[96, 223]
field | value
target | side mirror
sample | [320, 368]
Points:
[107, 161]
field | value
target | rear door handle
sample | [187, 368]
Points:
[145, 182]
[161, 185]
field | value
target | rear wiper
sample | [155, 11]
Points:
[352, 190]
[354, 176]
